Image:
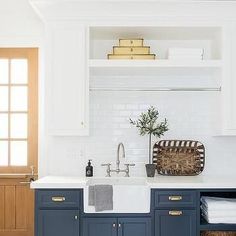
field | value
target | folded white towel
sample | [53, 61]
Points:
[195, 51]
[218, 213]
[215, 203]
[221, 220]
[185, 57]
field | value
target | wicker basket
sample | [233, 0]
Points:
[179, 157]
[218, 233]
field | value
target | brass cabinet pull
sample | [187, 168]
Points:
[175, 213]
[175, 198]
[58, 199]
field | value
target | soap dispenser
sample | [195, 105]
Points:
[89, 169]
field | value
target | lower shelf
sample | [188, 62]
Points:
[216, 227]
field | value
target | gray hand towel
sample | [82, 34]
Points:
[91, 195]
[103, 197]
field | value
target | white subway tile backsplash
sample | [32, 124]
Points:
[125, 113]
[190, 116]
[119, 106]
[132, 106]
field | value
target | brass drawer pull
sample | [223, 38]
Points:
[175, 198]
[175, 213]
[58, 199]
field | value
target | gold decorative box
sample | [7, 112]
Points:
[131, 42]
[130, 50]
[132, 57]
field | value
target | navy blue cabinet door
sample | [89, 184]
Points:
[134, 227]
[172, 223]
[99, 227]
[58, 223]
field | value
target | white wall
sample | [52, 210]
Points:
[191, 115]
[19, 25]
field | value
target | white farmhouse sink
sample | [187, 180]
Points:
[130, 195]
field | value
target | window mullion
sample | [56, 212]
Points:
[9, 108]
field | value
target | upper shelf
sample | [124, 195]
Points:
[156, 63]
[151, 67]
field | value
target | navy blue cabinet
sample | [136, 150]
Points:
[58, 223]
[177, 198]
[134, 226]
[175, 212]
[57, 212]
[117, 226]
[175, 222]
[99, 227]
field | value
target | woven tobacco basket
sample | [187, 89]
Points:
[218, 233]
[179, 157]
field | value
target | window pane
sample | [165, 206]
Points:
[4, 71]
[19, 98]
[4, 98]
[19, 71]
[3, 153]
[18, 125]
[18, 153]
[3, 125]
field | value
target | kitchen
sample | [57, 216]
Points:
[86, 101]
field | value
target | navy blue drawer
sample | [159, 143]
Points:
[58, 198]
[175, 222]
[175, 198]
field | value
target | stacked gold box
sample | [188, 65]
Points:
[131, 49]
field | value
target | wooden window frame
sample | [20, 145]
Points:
[31, 54]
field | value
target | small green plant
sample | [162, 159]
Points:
[148, 124]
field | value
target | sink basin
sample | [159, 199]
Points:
[130, 195]
[118, 181]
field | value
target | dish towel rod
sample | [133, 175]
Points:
[154, 89]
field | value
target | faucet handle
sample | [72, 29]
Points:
[107, 164]
[108, 169]
[127, 169]
[129, 164]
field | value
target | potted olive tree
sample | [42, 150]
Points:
[148, 124]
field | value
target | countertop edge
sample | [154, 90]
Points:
[60, 182]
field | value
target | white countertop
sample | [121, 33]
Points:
[158, 182]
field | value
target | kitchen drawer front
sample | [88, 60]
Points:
[175, 199]
[58, 198]
[175, 222]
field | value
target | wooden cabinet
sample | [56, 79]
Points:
[117, 226]
[175, 222]
[66, 77]
[58, 222]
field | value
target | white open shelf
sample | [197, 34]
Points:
[155, 63]
[159, 38]
[152, 67]
[161, 74]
